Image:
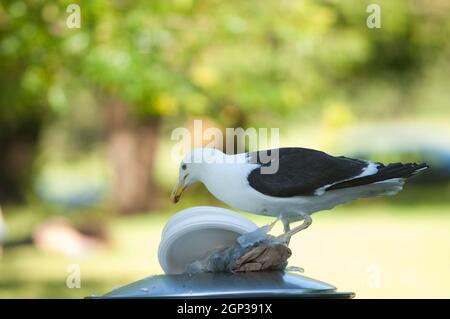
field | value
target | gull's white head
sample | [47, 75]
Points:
[192, 167]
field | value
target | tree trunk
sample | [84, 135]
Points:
[17, 154]
[131, 146]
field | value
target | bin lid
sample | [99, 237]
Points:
[273, 284]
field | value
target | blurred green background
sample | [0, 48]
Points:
[86, 116]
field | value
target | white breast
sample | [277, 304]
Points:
[228, 183]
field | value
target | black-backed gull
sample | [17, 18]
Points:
[305, 182]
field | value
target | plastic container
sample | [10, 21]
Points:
[191, 233]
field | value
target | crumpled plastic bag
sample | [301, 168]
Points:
[253, 251]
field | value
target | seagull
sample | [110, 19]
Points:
[306, 181]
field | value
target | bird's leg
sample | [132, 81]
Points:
[275, 221]
[257, 235]
[286, 226]
[307, 220]
[286, 229]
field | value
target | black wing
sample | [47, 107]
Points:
[301, 171]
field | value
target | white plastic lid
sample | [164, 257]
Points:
[191, 233]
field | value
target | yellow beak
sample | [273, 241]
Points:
[178, 190]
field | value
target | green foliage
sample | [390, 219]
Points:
[232, 60]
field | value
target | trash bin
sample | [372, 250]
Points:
[267, 284]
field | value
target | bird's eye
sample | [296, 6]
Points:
[183, 167]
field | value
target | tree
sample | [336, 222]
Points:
[239, 62]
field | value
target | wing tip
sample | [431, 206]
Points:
[419, 168]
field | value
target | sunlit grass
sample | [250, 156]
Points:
[376, 251]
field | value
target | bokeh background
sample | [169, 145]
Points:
[86, 116]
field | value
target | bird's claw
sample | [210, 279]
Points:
[284, 238]
[295, 269]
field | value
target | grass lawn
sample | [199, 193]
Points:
[377, 251]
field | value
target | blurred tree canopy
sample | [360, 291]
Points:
[239, 62]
